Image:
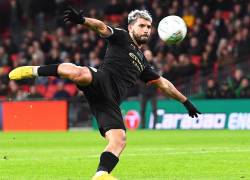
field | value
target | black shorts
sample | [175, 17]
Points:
[104, 101]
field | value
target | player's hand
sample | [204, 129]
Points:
[192, 111]
[71, 15]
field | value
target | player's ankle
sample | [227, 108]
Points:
[35, 70]
[107, 162]
[99, 173]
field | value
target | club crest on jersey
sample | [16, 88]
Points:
[136, 61]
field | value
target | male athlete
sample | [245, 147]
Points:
[106, 86]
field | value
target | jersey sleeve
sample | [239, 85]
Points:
[149, 75]
[117, 36]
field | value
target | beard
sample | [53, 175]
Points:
[140, 39]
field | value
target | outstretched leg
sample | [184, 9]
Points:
[79, 75]
[82, 76]
[110, 157]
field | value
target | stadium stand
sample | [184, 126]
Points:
[214, 52]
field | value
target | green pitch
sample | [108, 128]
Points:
[149, 155]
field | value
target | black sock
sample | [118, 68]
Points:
[48, 70]
[107, 162]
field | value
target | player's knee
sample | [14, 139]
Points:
[117, 140]
[82, 76]
[120, 142]
[77, 74]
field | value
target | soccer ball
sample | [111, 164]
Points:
[172, 29]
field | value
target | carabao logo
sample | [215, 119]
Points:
[132, 119]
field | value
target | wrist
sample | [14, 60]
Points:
[186, 102]
[82, 17]
[83, 20]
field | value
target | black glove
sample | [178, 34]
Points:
[192, 111]
[71, 15]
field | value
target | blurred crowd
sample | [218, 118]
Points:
[31, 33]
[236, 86]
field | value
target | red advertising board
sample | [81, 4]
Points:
[35, 116]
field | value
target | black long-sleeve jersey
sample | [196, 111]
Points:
[123, 65]
[125, 61]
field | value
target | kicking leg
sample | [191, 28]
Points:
[79, 75]
[110, 157]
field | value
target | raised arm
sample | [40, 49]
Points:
[169, 90]
[71, 15]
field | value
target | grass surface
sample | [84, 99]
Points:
[149, 155]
